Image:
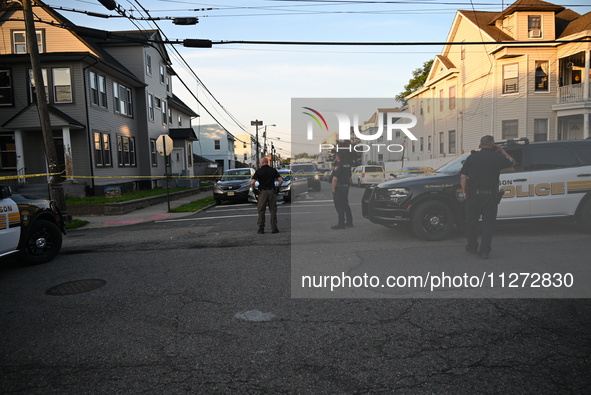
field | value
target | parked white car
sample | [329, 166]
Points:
[368, 174]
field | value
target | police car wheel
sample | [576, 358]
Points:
[43, 243]
[584, 216]
[432, 221]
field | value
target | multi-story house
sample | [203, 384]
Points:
[245, 149]
[109, 98]
[216, 144]
[383, 157]
[523, 72]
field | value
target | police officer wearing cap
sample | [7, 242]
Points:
[266, 176]
[480, 185]
[340, 181]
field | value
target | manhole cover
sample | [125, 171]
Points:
[75, 287]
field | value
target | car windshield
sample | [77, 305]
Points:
[454, 166]
[286, 175]
[305, 168]
[233, 175]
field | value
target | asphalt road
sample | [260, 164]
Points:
[206, 305]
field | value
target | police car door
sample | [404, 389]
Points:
[553, 170]
[513, 181]
[9, 223]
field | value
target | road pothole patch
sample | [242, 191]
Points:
[254, 316]
[75, 287]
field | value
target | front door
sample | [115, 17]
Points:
[176, 158]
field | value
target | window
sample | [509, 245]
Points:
[163, 113]
[441, 143]
[451, 141]
[441, 100]
[32, 85]
[98, 89]
[123, 103]
[5, 88]
[412, 143]
[510, 129]
[150, 107]
[547, 158]
[541, 76]
[126, 150]
[534, 26]
[169, 115]
[168, 85]
[452, 97]
[148, 64]
[153, 153]
[179, 120]
[62, 85]
[19, 41]
[421, 145]
[421, 107]
[429, 143]
[162, 74]
[541, 129]
[102, 149]
[245, 157]
[217, 145]
[511, 78]
[7, 151]
[189, 154]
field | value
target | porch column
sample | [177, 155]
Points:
[20, 155]
[586, 116]
[587, 77]
[68, 153]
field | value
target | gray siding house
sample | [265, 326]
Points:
[109, 96]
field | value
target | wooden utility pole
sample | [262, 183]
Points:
[56, 191]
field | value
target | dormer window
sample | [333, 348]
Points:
[534, 26]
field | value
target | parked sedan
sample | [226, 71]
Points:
[233, 186]
[290, 187]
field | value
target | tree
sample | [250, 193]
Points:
[419, 76]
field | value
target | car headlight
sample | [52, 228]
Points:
[244, 186]
[285, 188]
[317, 177]
[395, 195]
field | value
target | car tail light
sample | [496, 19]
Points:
[362, 175]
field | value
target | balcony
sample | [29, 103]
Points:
[570, 94]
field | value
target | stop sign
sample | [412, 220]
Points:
[164, 145]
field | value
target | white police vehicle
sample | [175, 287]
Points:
[549, 179]
[31, 228]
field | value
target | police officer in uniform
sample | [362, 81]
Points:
[480, 185]
[341, 180]
[266, 176]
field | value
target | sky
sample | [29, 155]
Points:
[241, 83]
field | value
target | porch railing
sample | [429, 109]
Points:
[570, 94]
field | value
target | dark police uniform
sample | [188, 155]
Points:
[482, 169]
[266, 176]
[342, 172]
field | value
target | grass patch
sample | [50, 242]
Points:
[194, 206]
[75, 224]
[125, 197]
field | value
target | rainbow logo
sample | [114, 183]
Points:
[316, 118]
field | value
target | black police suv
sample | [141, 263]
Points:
[549, 179]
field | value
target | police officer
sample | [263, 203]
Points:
[480, 185]
[266, 176]
[341, 179]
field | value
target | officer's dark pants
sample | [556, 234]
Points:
[265, 197]
[341, 204]
[485, 206]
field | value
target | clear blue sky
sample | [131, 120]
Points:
[258, 81]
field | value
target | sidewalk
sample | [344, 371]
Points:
[151, 213]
